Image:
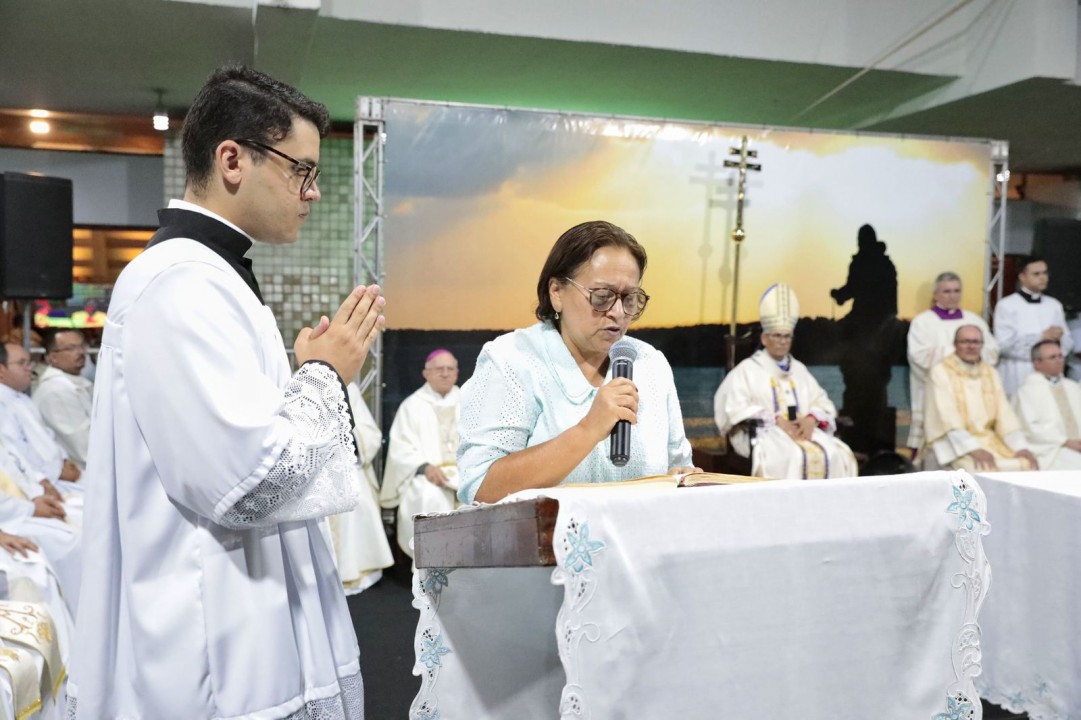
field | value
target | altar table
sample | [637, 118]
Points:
[1031, 620]
[816, 600]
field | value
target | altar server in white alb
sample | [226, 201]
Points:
[930, 338]
[1024, 318]
[212, 465]
[1048, 404]
[360, 542]
[797, 420]
[422, 473]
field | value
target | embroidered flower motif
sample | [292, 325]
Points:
[962, 507]
[958, 708]
[428, 714]
[581, 549]
[433, 651]
[435, 580]
[1017, 699]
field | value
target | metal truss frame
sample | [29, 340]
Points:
[995, 257]
[369, 136]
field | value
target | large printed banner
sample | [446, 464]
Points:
[476, 196]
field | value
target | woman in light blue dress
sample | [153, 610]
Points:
[541, 404]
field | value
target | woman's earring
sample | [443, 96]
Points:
[557, 314]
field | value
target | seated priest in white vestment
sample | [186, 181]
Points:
[43, 520]
[796, 417]
[360, 542]
[63, 500]
[930, 338]
[542, 403]
[36, 629]
[213, 465]
[421, 474]
[21, 424]
[1024, 318]
[1048, 404]
[969, 424]
[64, 396]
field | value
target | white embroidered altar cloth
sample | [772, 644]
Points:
[1032, 620]
[820, 600]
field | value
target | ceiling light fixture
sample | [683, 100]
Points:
[39, 127]
[161, 118]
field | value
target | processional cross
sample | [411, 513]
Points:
[738, 234]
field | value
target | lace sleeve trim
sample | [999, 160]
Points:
[311, 477]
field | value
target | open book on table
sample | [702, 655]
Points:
[694, 479]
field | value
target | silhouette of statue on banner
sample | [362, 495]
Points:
[868, 333]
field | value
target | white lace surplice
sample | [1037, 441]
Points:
[215, 591]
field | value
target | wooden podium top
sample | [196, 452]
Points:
[517, 534]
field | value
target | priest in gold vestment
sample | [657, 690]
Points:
[969, 423]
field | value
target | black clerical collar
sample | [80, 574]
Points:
[216, 235]
[1029, 297]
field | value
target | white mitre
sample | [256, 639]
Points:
[778, 309]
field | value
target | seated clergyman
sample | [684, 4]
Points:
[1048, 404]
[421, 472]
[969, 424]
[772, 387]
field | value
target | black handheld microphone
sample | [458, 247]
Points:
[622, 356]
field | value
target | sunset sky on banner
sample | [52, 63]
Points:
[475, 198]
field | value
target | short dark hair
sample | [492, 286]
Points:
[1025, 260]
[3, 353]
[238, 102]
[49, 340]
[573, 249]
[1037, 352]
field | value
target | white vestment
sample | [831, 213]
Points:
[59, 541]
[1018, 326]
[22, 427]
[759, 389]
[424, 431]
[64, 401]
[215, 592]
[32, 579]
[930, 338]
[1050, 413]
[360, 542]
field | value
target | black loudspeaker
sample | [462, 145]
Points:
[35, 236]
[1058, 241]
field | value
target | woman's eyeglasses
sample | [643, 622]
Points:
[604, 299]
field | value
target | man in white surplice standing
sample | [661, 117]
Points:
[212, 467]
[421, 475]
[1024, 318]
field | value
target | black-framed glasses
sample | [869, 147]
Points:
[604, 299]
[306, 171]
